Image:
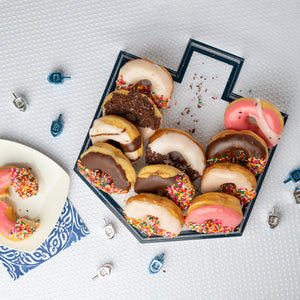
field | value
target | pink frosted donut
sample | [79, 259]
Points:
[257, 115]
[214, 213]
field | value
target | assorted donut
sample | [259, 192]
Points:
[165, 200]
[25, 184]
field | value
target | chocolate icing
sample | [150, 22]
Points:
[174, 159]
[98, 161]
[154, 184]
[236, 143]
[135, 107]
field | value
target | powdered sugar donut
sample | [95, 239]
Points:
[154, 215]
[242, 147]
[119, 130]
[146, 76]
[231, 179]
[257, 115]
[166, 181]
[214, 213]
[177, 148]
[137, 108]
[107, 168]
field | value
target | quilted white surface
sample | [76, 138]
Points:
[83, 39]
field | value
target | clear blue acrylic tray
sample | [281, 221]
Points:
[214, 54]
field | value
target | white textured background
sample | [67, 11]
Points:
[83, 38]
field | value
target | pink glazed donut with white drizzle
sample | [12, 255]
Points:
[257, 115]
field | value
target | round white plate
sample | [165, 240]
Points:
[48, 204]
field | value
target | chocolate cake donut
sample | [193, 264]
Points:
[136, 108]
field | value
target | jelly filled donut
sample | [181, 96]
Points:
[107, 168]
[242, 147]
[154, 215]
[120, 130]
[166, 181]
[177, 148]
[22, 180]
[257, 115]
[136, 108]
[230, 179]
[13, 227]
[214, 213]
[149, 78]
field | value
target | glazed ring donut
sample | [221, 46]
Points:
[230, 179]
[12, 227]
[166, 181]
[242, 147]
[136, 108]
[214, 213]
[257, 115]
[22, 180]
[107, 168]
[120, 130]
[154, 215]
[165, 145]
[149, 78]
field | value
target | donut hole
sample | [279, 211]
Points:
[145, 82]
[115, 144]
[227, 187]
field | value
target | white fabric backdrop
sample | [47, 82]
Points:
[83, 38]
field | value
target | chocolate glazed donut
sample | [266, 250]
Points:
[226, 143]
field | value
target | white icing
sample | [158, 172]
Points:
[101, 132]
[137, 70]
[263, 125]
[132, 155]
[214, 178]
[146, 132]
[140, 209]
[192, 153]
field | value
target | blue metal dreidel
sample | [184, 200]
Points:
[57, 77]
[57, 127]
[294, 176]
[156, 264]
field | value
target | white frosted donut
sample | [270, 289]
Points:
[120, 130]
[146, 72]
[169, 140]
[215, 177]
[153, 214]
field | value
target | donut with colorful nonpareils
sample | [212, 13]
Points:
[21, 179]
[135, 107]
[214, 213]
[118, 129]
[154, 215]
[259, 116]
[241, 147]
[13, 227]
[177, 148]
[231, 179]
[107, 168]
[166, 181]
[149, 78]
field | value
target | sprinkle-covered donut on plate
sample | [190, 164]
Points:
[154, 215]
[177, 148]
[214, 213]
[231, 179]
[136, 107]
[259, 116]
[242, 147]
[149, 78]
[166, 181]
[120, 130]
[107, 168]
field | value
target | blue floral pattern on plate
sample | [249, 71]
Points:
[68, 230]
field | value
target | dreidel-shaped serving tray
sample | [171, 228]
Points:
[203, 86]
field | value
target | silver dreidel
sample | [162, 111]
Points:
[273, 219]
[104, 271]
[20, 103]
[109, 230]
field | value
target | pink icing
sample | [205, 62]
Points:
[200, 215]
[4, 179]
[237, 118]
[5, 224]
